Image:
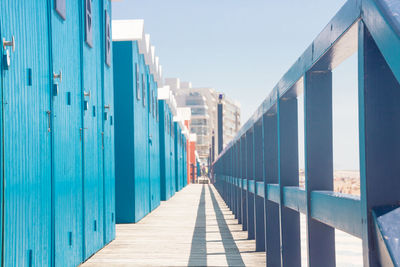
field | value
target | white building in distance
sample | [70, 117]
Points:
[203, 104]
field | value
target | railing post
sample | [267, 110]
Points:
[288, 176]
[244, 181]
[250, 177]
[258, 147]
[239, 189]
[235, 188]
[228, 185]
[231, 185]
[318, 161]
[379, 126]
[271, 213]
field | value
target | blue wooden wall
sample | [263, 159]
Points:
[137, 136]
[26, 147]
[67, 121]
[173, 152]
[184, 161]
[92, 133]
[166, 152]
[142, 181]
[178, 155]
[125, 95]
[53, 205]
[163, 151]
[154, 143]
[108, 126]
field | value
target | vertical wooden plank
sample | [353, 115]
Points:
[224, 171]
[250, 176]
[144, 130]
[258, 156]
[156, 144]
[236, 172]
[228, 172]
[125, 137]
[379, 126]
[154, 164]
[26, 143]
[164, 154]
[141, 149]
[232, 185]
[239, 188]
[1, 149]
[272, 229]
[178, 152]
[184, 160]
[288, 169]
[67, 123]
[233, 174]
[108, 125]
[243, 161]
[318, 161]
[125, 88]
[92, 129]
[170, 157]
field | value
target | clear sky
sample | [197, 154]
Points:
[243, 47]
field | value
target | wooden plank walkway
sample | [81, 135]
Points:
[193, 228]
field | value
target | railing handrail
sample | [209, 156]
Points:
[350, 13]
[264, 153]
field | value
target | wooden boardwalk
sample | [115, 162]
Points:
[193, 228]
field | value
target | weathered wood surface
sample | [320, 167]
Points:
[193, 228]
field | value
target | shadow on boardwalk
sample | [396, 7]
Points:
[194, 227]
[198, 252]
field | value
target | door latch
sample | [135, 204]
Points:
[49, 120]
[106, 107]
[86, 93]
[6, 55]
[57, 76]
[102, 140]
[9, 43]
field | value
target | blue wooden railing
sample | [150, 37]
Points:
[257, 173]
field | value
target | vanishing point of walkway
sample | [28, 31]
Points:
[193, 228]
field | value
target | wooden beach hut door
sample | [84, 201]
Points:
[26, 134]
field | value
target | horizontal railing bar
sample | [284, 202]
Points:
[273, 193]
[260, 189]
[346, 215]
[340, 211]
[294, 198]
[251, 186]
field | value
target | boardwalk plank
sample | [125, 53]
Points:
[193, 228]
